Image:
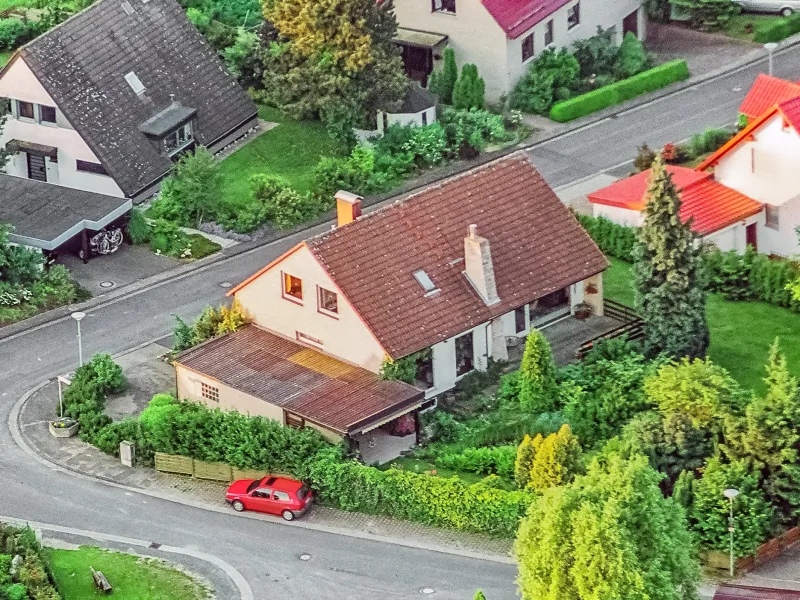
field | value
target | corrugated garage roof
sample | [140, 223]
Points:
[336, 395]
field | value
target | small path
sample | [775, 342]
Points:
[76, 457]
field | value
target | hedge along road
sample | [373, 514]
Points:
[264, 553]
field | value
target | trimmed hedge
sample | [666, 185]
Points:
[428, 499]
[613, 239]
[609, 95]
[775, 31]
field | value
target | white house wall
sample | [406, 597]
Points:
[444, 359]
[19, 83]
[777, 153]
[345, 337]
[782, 241]
[593, 13]
[472, 33]
[620, 216]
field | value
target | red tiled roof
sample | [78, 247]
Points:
[791, 112]
[336, 395]
[537, 247]
[767, 91]
[518, 16]
[713, 206]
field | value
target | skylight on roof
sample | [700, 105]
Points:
[136, 84]
[126, 6]
[425, 282]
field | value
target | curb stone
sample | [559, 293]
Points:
[424, 179]
[16, 434]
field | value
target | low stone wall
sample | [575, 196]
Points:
[765, 553]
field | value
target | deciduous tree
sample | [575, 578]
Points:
[670, 291]
[608, 534]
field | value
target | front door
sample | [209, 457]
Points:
[631, 23]
[418, 62]
[37, 169]
[751, 236]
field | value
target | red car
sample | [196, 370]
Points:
[273, 495]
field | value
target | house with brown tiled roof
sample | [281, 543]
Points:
[448, 275]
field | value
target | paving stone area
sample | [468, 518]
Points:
[79, 457]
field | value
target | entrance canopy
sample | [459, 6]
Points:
[420, 39]
[45, 215]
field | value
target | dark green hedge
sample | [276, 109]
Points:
[775, 31]
[33, 579]
[613, 239]
[654, 79]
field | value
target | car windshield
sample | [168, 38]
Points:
[301, 493]
[253, 486]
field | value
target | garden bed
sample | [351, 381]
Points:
[132, 577]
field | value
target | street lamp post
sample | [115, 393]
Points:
[78, 316]
[770, 47]
[731, 494]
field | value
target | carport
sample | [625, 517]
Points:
[47, 216]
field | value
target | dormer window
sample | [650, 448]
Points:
[179, 139]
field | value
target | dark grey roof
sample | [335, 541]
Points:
[46, 215]
[82, 64]
[417, 99]
[168, 119]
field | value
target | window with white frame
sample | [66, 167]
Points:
[179, 139]
[444, 6]
[772, 214]
[527, 47]
[548, 33]
[40, 113]
[328, 301]
[574, 16]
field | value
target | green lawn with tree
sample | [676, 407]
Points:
[743, 26]
[132, 577]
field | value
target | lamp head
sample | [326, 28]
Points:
[731, 493]
[78, 316]
[770, 46]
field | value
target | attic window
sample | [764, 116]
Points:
[136, 84]
[425, 282]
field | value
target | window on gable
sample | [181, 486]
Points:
[574, 16]
[772, 214]
[179, 139]
[445, 6]
[48, 113]
[292, 286]
[548, 33]
[25, 110]
[328, 301]
[527, 47]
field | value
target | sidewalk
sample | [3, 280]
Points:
[78, 457]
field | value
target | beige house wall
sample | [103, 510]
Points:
[19, 83]
[473, 34]
[189, 388]
[345, 337]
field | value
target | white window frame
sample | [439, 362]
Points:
[575, 9]
[549, 29]
[188, 138]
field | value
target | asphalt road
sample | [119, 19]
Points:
[267, 554]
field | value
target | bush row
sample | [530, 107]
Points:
[748, 276]
[648, 81]
[33, 579]
[445, 502]
[775, 31]
[494, 460]
[15, 32]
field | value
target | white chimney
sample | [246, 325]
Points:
[478, 266]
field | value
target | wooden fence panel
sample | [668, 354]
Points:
[248, 474]
[214, 471]
[172, 463]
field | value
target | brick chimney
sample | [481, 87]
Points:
[348, 207]
[478, 266]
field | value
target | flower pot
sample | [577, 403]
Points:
[63, 428]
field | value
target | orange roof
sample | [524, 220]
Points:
[711, 205]
[767, 91]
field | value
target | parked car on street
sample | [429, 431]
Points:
[781, 7]
[273, 495]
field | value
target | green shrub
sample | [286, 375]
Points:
[631, 57]
[13, 33]
[497, 460]
[550, 71]
[468, 132]
[441, 426]
[778, 30]
[428, 499]
[648, 81]
[139, 229]
[15, 591]
[468, 91]
[169, 240]
[613, 239]
[33, 576]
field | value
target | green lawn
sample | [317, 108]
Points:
[290, 150]
[132, 577]
[738, 25]
[741, 332]
[418, 465]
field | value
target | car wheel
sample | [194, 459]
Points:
[238, 505]
[287, 515]
[787, 12]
